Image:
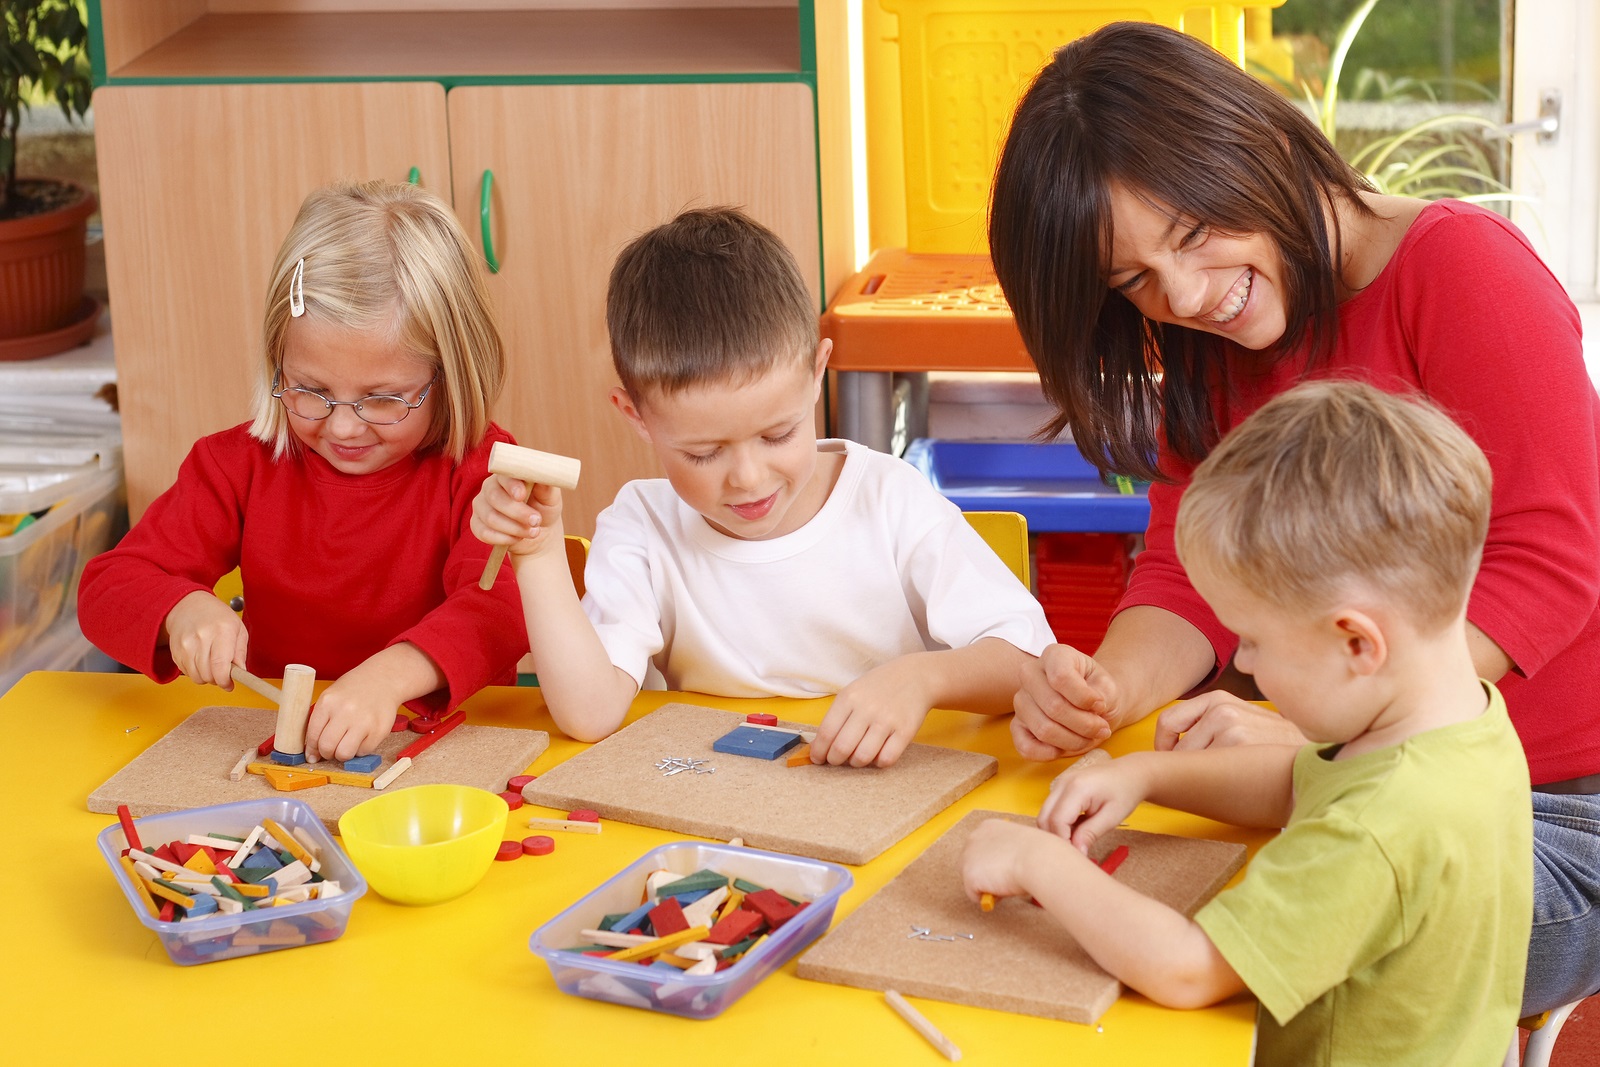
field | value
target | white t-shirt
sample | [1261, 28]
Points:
[885, 568]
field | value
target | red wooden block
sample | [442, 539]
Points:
[166, 853]
[184, 851]
[667, 918]
[583, 815]
[265, 747]
[226, 873]
[771, 906]
[125, 817]
[762, 718]
[168, 910]
[1114, 860]
[400, 724]
[509, 850]
[513, 799]
[735, 927]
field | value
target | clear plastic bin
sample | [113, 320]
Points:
[40, 564]
[212, 938]
[698, 997]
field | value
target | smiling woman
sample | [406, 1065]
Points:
[1179, 245]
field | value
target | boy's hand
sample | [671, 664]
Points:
[873, 719]
[1086, 803]
[503, 513]
[352, 716]
[995, 855]
[206, 638]
[1220, 720]
[1067, 705]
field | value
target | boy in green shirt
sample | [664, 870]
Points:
[1337, 531]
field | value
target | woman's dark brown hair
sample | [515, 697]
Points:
[1171, 119]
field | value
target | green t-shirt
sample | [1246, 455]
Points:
[1388, 923]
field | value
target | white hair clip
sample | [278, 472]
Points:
[297, 290]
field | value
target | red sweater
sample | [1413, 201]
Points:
[1467, 314]
[335, 567]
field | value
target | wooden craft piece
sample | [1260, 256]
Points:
[531, 467]
[757, 744]
[295, 711]
[844, 814]
[188, 768]
[1019, 958]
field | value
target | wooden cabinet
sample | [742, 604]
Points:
[214, 118]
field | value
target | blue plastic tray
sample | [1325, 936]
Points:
[1053, 486]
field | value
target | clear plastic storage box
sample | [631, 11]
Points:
[673, 992]
[216, 937]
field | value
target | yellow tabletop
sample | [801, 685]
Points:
[84, 982]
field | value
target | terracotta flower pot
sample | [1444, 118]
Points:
[41, 268]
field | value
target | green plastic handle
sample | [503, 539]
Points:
[483, 219]
[415, 177]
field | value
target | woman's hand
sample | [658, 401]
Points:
[1067, 704]
[205, 638]
[1219, 720]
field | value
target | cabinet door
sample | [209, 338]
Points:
[198, 186]
[579, 170]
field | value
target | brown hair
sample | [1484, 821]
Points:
[1337, 485]
[1170, 118]
[390, 257]
[712, 296]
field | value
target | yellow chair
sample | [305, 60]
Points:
[1007, 533]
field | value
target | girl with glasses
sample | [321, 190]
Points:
[344, 502]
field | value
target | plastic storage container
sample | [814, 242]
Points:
[964, 65]
[699, 997]
[1052, 485]
[213, 937]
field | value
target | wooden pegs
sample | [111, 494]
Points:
[1114, 860]
[298, 680]
[237, 774]
[922, 1026]
[138, 884]
[986, 902]
[400, 767]
[570, 826]
[288, 842]
[531, 467]
[659, 945]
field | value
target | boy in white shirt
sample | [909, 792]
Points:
[1337, 532]
[767, 563]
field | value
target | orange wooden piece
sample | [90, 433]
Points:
[284, 780]
[800, 757]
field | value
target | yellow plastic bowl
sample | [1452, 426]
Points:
[425, 844]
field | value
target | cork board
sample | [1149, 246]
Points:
[1019, 959]
[843, 814]
[188, 768]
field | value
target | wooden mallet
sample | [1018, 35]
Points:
[532, 467]
[293, 700]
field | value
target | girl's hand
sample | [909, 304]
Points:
[1221, 720]
[873, 719]
[352, 716]
[503, 513]
[205, 639]
[1067, 705]
[1086, 803]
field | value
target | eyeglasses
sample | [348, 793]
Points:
[380, 409]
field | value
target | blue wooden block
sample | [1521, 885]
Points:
[689, 897]
[762, 744]
[203, 904]
[262, 857]
[363, 764]
[291, 759]
[633, 918]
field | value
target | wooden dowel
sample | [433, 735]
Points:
[922, 1025]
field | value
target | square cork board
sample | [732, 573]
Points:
[843, 814]
[188, 768]
[1019, 958]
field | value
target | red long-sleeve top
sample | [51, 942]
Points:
[336, 567]
[1467, 314]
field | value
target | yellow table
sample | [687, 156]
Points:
[84, 982]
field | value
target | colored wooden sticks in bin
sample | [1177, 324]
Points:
[532, 467]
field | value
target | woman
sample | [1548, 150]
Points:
[1179, 244]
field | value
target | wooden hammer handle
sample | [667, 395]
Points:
[251, 682]
[531, 467]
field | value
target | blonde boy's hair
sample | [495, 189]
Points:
[1337, 487]
[389, 257]
[712, 296]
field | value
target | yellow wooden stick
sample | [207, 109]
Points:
[659, 945]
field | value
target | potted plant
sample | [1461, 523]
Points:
[43, 54]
